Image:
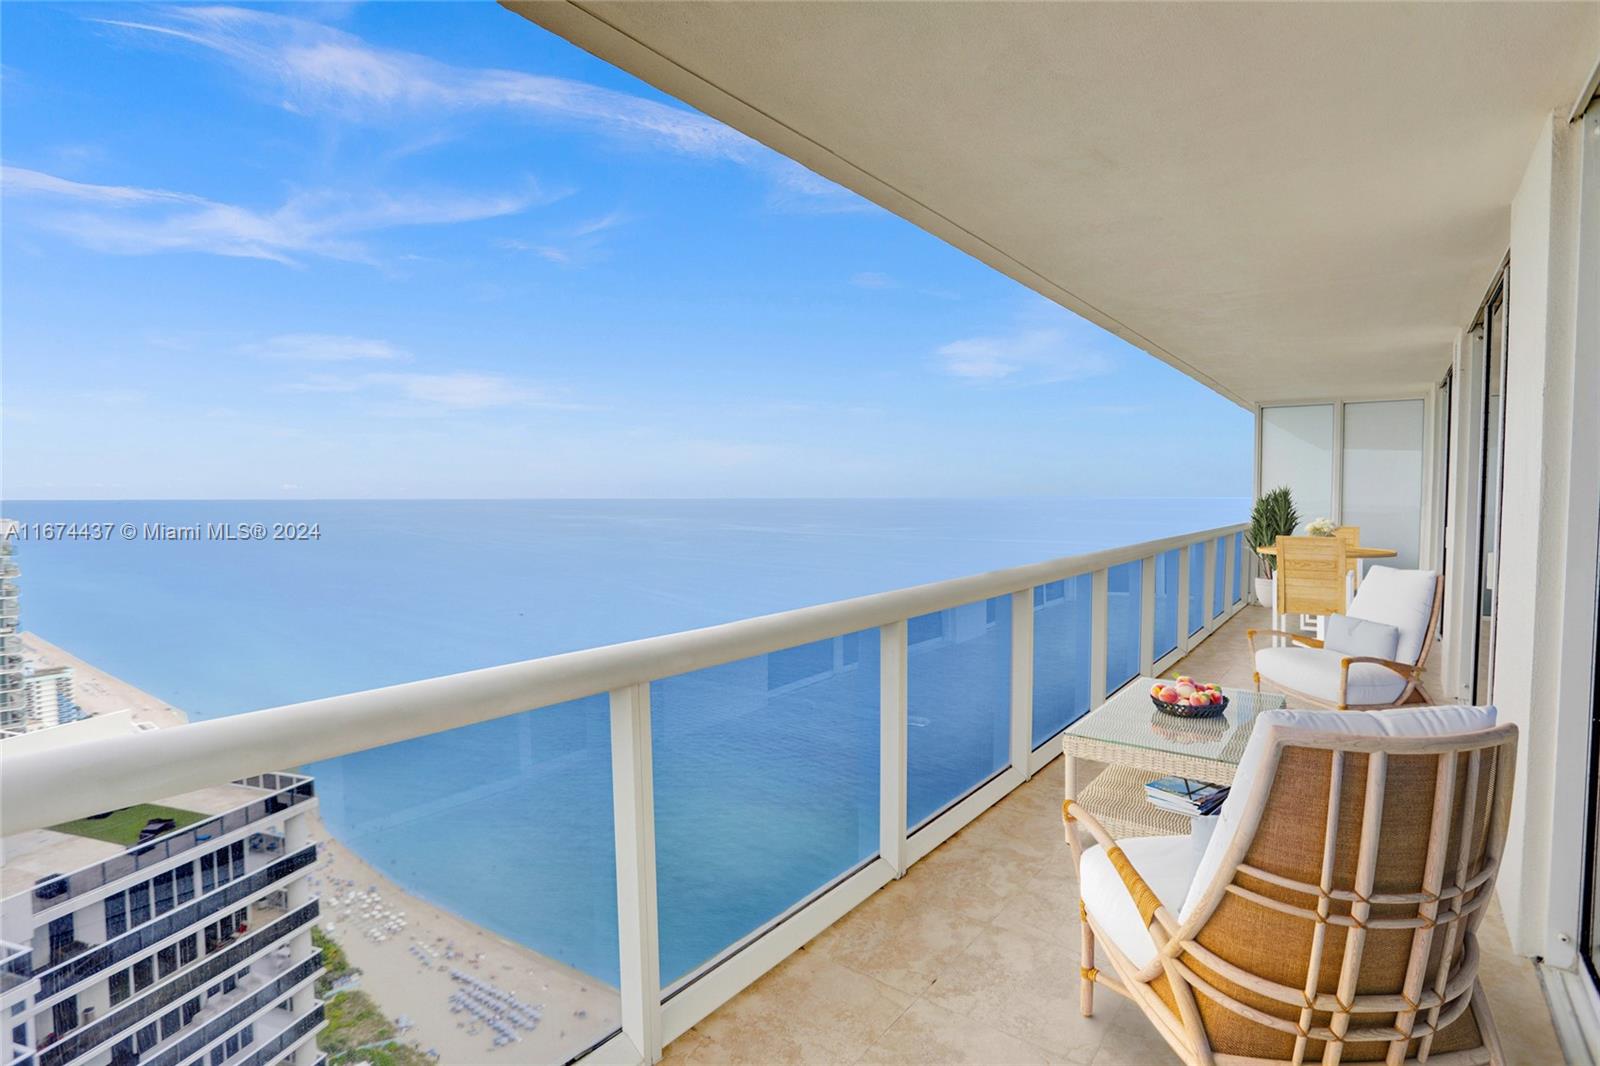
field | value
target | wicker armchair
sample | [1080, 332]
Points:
[1332, 917]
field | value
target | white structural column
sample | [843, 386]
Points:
[1208, 590]
[893, 674]
[1099, 617]
[638, 925]
[1022, 681]
[1147, 617]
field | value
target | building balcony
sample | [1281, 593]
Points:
[833, 832]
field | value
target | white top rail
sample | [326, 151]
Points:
[49, 787]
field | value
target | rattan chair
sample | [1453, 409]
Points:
[1333, 917]
[1316, 676]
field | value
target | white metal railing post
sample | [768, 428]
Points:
[1022, 681]
[1099, 619]
[1231, 554]
[638, 922]
[893, 675]
[1147, 617]
[1207, 589]
[1183, 599]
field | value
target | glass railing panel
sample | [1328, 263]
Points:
[1063, 617]
[958, 695]
[1197, 587]
[1124, 609]
[1219, 577]
[1166, 627]
[518, 889]
[766, 789]
[1238, 567]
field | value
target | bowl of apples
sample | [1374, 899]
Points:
[1187, 698]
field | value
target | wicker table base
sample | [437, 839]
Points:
[1116, 796]
[1136, 744]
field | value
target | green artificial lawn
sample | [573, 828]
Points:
[123, 826]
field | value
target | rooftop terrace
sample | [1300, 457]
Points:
[26, 857]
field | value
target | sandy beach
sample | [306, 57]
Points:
[97, 691]
[413, 955]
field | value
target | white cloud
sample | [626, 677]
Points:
[800, 191]
[128, 220]
[325, 347]
[466, 391]
[309, 67]
[1030, 356]
[871, 279]
[577, 245]
[435, 393]
[314, 67]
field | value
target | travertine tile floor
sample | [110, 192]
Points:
[973, 956]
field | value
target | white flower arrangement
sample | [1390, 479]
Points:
[1321, 527]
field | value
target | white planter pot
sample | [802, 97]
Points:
[1264, 591]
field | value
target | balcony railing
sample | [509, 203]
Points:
[16, 964]
[1031, 648]
[239, 1013]
[291, 789]
[269, 1050]
[210, 969]
[124, 947]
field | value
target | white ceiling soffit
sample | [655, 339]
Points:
[1282, 200]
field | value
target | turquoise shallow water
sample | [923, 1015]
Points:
[765, 771]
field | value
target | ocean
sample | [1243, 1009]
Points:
[765, 770]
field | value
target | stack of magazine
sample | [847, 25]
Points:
[1181, 795]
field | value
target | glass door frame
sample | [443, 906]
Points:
[1492, 324]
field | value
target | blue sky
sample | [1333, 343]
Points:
[430, 250]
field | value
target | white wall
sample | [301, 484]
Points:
[1541, 872]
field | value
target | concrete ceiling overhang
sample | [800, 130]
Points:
[1284, 201]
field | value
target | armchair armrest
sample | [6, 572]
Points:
[1149, 905]
[1406, 670]
[1251, 634]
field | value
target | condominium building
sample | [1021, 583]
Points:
[47, 697]
[175, 933]
[13, 707]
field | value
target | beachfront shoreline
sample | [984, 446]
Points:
[407, 948]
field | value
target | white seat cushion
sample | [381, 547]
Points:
[1411, 722]
[1400, 598]
[1315, 672]
[1166, 863]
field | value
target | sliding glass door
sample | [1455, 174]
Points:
[1494, 413]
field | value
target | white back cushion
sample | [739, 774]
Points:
[1360, 636]
[1400, 598]
[1413, 722]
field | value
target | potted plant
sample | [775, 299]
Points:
[1274, 516]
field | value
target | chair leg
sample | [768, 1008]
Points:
[1086, 971]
